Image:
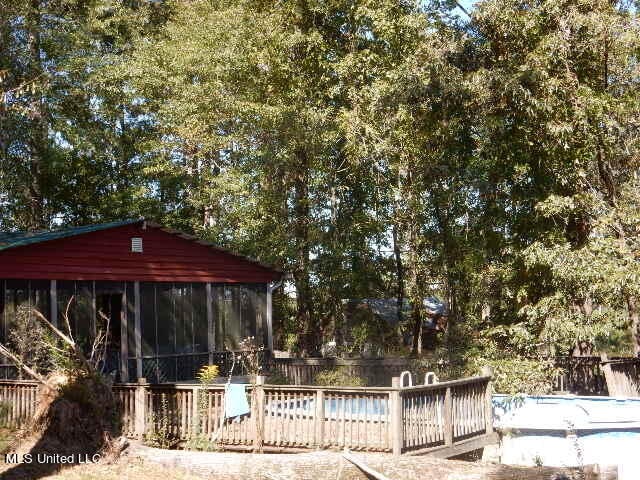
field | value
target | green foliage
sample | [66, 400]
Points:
[369, 332]
[276, 378]
[338, 377]
[201, 443]
[515, 375]
[208, 374]
[373, 149]
[159, 433]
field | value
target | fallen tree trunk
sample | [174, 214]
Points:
[327, 465]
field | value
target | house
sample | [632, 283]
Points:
[172, 302]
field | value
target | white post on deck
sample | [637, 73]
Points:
[397, 427]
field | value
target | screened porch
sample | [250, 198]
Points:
[161, 331]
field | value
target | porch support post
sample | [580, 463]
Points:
[53, 296]
[124, 340]
[138, 329]
[211, 330]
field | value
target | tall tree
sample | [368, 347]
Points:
[559, 137]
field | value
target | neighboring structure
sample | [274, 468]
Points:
[174, 303]
[387, 309]
[383, 313]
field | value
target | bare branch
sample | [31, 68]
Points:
[66, 319]
[20, 364]
[77, 350]
[55, 329]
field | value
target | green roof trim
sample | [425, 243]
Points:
[21, 239]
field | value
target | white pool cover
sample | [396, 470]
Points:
[570, 431]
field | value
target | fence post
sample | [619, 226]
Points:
[397, 428]
[488, 404]
[319, 419]
[257, 413]
[448, 418]
[195, 414]
[140, 408]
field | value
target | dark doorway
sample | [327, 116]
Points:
[109, 314]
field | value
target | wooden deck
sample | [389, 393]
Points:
[444, 419]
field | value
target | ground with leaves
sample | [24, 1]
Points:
[130, 470]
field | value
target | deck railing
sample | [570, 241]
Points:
[413, 420]
[17, 403]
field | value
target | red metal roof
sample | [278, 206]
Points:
[97, 253]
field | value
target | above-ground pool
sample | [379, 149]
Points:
[370, 408]
[570, 431]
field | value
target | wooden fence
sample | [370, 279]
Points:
[377, 371]
[443, 418]
[622, 376]
[17, 402]
[587, 375]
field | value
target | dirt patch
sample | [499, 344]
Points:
[330, 465]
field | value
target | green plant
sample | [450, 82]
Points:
[160, 435]
[291, 343]
[208, 374]
[201, 443]
[338, 378]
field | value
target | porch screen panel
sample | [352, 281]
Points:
[199, 315]
[148, 318]
[131, 330]
[81, 314]
[2, 312]
[218, 299]
[183, 315]
[131, 319]
[248, 311]
[40, 296]
[261, 314]
[232, 318]
[166, 318]
[16, 294]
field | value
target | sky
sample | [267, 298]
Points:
[468, 4]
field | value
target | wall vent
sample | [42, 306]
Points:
[136, 245]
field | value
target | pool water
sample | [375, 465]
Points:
[335, 407]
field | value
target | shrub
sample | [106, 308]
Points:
[338, 378]
[521, 375]
[277, 378]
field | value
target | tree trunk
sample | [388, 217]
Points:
[634, 316]
[39, 133]
[305, 316]
[397, 253]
